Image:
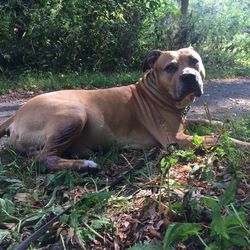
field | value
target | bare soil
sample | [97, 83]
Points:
[224, 97]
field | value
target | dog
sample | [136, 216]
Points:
[142, 115]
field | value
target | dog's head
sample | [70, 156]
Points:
[180, 73]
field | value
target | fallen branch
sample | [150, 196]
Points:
[241, 144]
[194, 122]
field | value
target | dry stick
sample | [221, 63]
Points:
[25, 244]
[191, 122]
[237, 143]
[208, 112]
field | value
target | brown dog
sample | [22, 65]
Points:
[141, 115]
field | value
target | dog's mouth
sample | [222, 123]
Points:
[185, 101]
[189, 86]
[188, 89]
[192, 94]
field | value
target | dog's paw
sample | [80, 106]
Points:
[89, 166]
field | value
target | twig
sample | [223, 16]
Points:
[208, 112]
[64, 247]
[94, 231]
[205, 122]
[124, 157]
[25, 244]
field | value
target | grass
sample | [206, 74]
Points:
[228, 73]
[237, 128]
[236, 69]
[33, 81]
[193, 199]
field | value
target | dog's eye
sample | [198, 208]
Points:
[193, 61]
[171, 68]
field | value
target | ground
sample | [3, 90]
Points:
[195, 187]
[224, 97]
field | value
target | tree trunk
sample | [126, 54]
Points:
[183, 30]
[184, 7]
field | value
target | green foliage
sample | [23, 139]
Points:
[219, 32]
[147, 246]
[234, 155]
[167, 163]
[7, 210]
[52, 34]
[180, 232]
[113, 35]
[200, 130]
[227, 230]
[229, 227]
[4, 234]
[36, 81]
[239, 128]
[197, 141]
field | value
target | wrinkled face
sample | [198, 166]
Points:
[180, 73]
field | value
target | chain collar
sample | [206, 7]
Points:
[185, 110]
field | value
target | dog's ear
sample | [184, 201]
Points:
[151, 59]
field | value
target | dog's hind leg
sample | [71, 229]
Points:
[59, 141]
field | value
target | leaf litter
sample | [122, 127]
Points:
[161, 196]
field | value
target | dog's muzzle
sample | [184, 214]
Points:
[191, 84]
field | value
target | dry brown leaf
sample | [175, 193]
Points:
[163, 209]
[126, 224]
[181, 179]
[166, 222]
[241, 193]
[155, 233]
[185, 169]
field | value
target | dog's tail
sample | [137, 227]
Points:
[4, 126]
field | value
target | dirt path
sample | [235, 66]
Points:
[223, 97]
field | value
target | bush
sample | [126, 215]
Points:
[72, 34]
[111, 35]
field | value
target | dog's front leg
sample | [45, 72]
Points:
[186, 141]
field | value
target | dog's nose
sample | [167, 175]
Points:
[191, 84]
[188, 78]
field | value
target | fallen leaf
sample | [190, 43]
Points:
[166, 222]
[185, 169]
[154, 233]
[22, 197]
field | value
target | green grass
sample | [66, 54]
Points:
[238, 129]
[228, 73]
[34, 81]
[50, 81]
